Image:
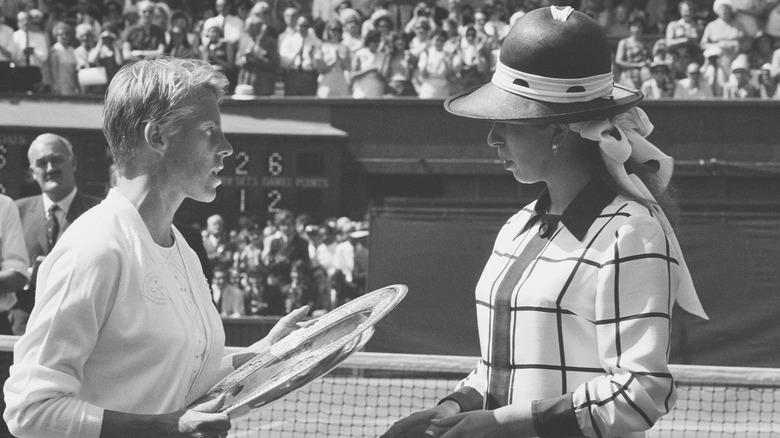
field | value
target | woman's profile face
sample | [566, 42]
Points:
[195, 153]
[525, 150]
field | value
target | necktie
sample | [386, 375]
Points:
[52, 226]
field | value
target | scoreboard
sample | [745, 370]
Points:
[264, 174]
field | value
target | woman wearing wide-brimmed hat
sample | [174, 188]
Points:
[574, 305]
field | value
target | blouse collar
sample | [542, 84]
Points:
[583, 210]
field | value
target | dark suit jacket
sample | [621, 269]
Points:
[34, 227]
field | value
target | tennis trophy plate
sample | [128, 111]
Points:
[305, 354]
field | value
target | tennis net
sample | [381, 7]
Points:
[370, 391]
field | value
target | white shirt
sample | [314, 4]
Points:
[36, 40]
[344, 258]
[13, 252]
[684, 90]
[7, 42]
[298, 52]
[112, 329]
[63, 204]
[232, 27]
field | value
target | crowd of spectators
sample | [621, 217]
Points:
[291, 261]
[377, 48]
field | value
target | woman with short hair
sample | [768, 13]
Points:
[125, 339]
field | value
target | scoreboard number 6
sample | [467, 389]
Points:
[275, 164]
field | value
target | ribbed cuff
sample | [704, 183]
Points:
[91, 422]
[555, 418]
[468, 398]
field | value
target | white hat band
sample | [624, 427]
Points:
[553, 90]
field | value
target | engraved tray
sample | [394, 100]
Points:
[305, 354]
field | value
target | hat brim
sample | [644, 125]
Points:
[489, 102]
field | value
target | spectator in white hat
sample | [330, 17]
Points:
[725, 33]
[739, 86]
[712, 72]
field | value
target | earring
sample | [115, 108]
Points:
[556, 140]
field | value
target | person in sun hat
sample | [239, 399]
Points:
[574, 305]
[661, 84]
[740, 85]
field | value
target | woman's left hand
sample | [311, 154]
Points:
[288, 324]
[507, 421]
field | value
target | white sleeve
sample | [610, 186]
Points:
[13, 253]
[77, 288]
[633, 304]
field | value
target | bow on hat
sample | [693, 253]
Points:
[622, 138]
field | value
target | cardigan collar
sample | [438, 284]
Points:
[583, 210]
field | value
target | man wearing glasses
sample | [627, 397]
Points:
[145, 39]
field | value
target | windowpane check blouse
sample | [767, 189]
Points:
[574, 317]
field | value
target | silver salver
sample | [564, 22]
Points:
[306, 354]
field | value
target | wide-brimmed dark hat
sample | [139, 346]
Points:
[555, 67]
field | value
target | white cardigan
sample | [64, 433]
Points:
[112, 329]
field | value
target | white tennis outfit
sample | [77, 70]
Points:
[119, 323]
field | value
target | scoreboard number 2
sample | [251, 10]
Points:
[274, 199]
[242, 163]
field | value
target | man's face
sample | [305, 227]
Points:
[147, 12]
[53, 167]
[23, 20]
[214, 226]
[220, 6]
[290, 17]
[220, 279]
[693, 74]
[742, 76]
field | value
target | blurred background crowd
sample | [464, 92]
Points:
[290, 261]
[376, 48]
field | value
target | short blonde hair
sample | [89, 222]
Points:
[154, 91]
